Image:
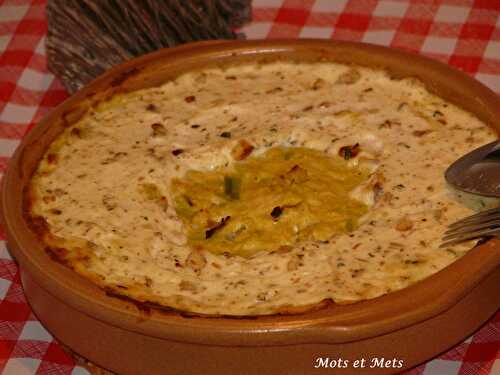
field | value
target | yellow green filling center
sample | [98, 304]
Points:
[266, 203]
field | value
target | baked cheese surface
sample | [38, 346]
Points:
[107, 186]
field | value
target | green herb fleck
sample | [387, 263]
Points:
[349, 225]
[232, 187]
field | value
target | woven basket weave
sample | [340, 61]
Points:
[87, 37]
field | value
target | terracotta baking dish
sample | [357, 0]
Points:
[411, 325]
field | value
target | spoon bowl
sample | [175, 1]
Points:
[477, 172]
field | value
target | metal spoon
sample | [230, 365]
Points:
[477, 172]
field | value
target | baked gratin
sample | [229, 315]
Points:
[257, 188]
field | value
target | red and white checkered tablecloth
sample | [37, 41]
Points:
[461, 33]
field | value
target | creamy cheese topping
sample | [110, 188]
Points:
[107, 181]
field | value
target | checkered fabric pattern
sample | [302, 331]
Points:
[462, 33]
